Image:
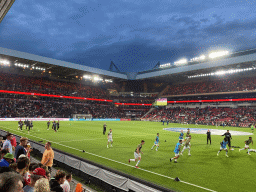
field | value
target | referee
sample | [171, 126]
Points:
[209, 136]
[104, 128]
[229, 138]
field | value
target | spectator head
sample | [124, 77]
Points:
[39, 172]
[9, 158]
[23, 141]
[9, 136]
[60, 176]
[23, 163]
[42, 185]
[32, 167]
[3, 153]
[1, 139]
[22, 155]
[69, 177]
[48, 145]
[10, 182]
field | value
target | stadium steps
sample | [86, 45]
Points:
[162, 92]
[73, 183]
[150, 110]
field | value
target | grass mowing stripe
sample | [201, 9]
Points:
[89, 139]
[114, 161]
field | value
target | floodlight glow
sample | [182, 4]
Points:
[87, 77]
[231, 71]
[180, 62]
[220, 73]
[5, 62]
[202, 57]
[218, 54]
[96, 78]
[165, 65]
[109, 80]
[21, 65]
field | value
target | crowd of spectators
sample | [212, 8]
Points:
[13, 82]
[133, 110]
[61, 108]
[227, 85]
[18, 173]
[229, 116]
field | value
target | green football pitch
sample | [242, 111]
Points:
[202, 169]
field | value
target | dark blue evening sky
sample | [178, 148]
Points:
[134, 34]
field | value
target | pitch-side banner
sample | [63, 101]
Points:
[34, 119]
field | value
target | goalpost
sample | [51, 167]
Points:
[82, 116]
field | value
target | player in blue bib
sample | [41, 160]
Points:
[181, 135]
[156, 143]
[176, 151]
[223, 146]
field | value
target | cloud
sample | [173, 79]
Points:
[135, 35]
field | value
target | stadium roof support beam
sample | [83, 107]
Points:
[112, 64]
[5, 5]
[157, 65]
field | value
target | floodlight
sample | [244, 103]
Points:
[180, 62]
[202, 57]
[87, 77]
[220, 73]
[96, 78]
[4, 62]
[109, 80]
[165, 65]
[218, 54]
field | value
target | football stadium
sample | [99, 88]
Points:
[183, 125]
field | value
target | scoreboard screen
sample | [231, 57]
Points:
[161, 102]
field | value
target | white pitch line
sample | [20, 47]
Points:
[120, 162]
[88, 139]
[80, 140]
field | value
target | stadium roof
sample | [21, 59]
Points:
[5, 5]
[61, 68]
[176, 73]
[240, 59]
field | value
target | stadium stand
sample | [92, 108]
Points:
[239, 117]
[210, 86]
[14, 82]
[13, 107]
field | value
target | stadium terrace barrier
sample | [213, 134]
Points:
[94, 119]
[58, 119]
[91, 172]
[125, 119]
[34, 119]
